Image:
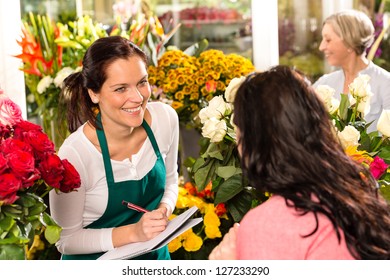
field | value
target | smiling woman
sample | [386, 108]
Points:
[121, 152]
[345, 38]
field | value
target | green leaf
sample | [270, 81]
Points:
[229, 189]
[12, 252]
[385, 154]
[239, 205]
[6, 223]
[197, 48]
[52, 234]
[228, 171]
[205, 174]
[47, 220]
[213, 151]
[37, 209]
[199, 162]
[385, 190]
[343, 108]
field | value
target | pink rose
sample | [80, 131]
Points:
[10, 112]
[378, 167]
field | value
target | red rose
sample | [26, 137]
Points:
[71, 179]
[3, 163]
[33, 135]
[21, 163]
[9, 185]
[11, 144]
[51, 170]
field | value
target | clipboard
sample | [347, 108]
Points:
[175, 227]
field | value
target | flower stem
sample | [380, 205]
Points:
[380, 142]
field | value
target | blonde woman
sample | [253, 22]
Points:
[346, 36]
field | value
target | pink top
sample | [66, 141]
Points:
[274, 231]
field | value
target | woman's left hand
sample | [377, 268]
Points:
[226, 250]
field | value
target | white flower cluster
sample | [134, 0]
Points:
[359, 91]
[46, 81]
[216, 117]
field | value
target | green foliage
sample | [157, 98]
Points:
[20, 222]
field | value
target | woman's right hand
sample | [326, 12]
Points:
[151, 224]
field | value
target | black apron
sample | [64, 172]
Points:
[146, 192]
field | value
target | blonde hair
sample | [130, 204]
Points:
[354, 27]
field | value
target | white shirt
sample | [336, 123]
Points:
[73, 211]
[380, 87]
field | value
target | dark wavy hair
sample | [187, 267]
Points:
[288, 148]
[75, 100]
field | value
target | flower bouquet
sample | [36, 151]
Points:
[29, 169]
[45, 65]
[188, 81]
[198, 242]
[219, 161]
[371, 149]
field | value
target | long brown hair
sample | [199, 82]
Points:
[75, 99]
[289, 149]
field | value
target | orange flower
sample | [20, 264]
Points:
[220, 209]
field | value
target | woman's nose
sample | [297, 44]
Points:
[322, 46]
[135, 95]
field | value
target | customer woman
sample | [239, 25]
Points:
[124, 148]
[323, 204]
[346, 36]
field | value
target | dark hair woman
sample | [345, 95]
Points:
[121, 152]
[324, 205]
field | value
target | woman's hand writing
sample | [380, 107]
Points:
[150, 225]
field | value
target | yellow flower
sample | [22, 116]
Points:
[192, 243]
[211, 219]
[37, 245]
[179, 72]
[359, 156]
[212, 232]
[197, 201]
[182, 202]
[175, 244]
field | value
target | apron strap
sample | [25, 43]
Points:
[106, 154]
[151, 138]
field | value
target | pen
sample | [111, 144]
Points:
[134, 207]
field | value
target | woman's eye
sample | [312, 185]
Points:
[121, 89]
[142, 83]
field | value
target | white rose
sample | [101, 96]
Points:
[61, 75]
[349, 136]
[44, 83]
[214, 129]
[203, 115]
[231, 90]
[360, 86]
[217, 108]
[383, 125]
[364, 106]
[325, 94]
